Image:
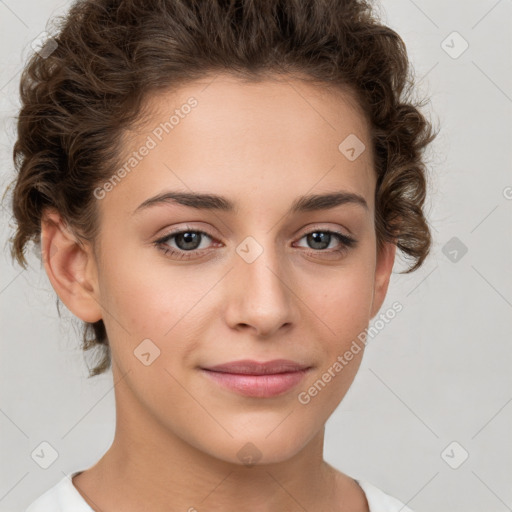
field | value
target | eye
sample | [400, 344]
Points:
[320, 240]
[188, 242]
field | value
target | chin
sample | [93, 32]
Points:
[258, 448]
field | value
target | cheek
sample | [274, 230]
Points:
[341, 303]
[165, 305]
[146, 296]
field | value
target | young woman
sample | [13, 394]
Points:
[219, 189]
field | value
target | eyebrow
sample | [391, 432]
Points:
[308, 203]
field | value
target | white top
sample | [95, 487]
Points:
[64, 497]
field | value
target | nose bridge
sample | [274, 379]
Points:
[263, 297]
[259, 263]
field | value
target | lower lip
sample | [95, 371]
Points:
[258, 386]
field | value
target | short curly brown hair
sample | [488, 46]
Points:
[79, 96]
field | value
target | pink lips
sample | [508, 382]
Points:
[260, 380]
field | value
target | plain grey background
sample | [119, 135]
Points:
[429, 416]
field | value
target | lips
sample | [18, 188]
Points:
[258, 380]
[249, 367]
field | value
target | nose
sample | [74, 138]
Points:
[260, 294]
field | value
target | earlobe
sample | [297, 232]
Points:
[383, 269]
[71, 268]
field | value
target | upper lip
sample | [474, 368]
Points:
[249, 367]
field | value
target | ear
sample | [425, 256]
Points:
[71, 267]
[383, 269]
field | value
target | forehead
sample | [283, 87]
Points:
[275, 137]
[259, 110]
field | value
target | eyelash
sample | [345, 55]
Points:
[346, 243]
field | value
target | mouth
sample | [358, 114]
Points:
[258, 380]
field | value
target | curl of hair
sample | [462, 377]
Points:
[79, 101]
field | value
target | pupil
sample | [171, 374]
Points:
[320, 238]
[189, 239]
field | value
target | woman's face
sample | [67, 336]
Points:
[257, 286]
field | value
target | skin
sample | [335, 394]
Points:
[177, 433]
